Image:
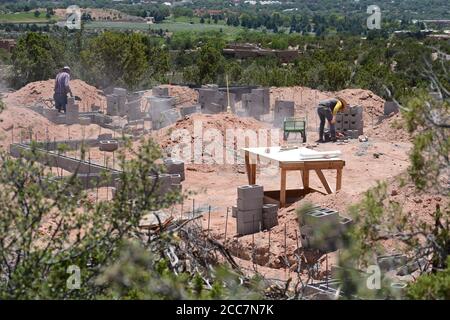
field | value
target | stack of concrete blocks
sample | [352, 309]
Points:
[322, 229]
[213, 101]
[175, 166]
[159, 105]
[112, 105]
[160, 91]
[257, 102]
[187, 110]
[269, 216]
[72, 111]
[249, 209]
[351, 122]
[121, 95]
[283, 109]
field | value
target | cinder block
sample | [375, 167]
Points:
[324, 222]
[250, 204]
[184, 111]
[248, 228]
[234, 211]
[270, 223]
[160, 91]
[250, 192]
[112, 105]
[249, 215]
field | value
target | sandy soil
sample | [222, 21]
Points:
[382, 158]
[35, 92]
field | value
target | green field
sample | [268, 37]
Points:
[171, 26]
[23, 17]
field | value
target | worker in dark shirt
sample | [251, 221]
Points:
[62, 88]
[327, 110]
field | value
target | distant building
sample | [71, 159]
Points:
[247, 50]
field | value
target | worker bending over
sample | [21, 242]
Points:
[62, 88]
[327, 110]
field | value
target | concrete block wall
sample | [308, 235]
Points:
[112, 105]
[351, 122]
[157, 106]
[257, 102]
[133, 110]
[213, 101]
[283, 109]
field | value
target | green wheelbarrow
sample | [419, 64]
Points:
[294, 125]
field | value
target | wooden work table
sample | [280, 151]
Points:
[299, 159]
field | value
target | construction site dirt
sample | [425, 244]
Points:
[384, 157]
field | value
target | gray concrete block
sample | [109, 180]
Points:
[160, 91]
[184, 111]
[325, 222]
[122, 106]
[234, 211]
[112, 105]
[250, 204]
[248, 222]
[51, 114]
[246, 216]
[250, 191]
[133, 110]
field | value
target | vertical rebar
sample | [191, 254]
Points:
[209, 218]
[226, 224]
[326, 268]
[285, 242]
[193, 208]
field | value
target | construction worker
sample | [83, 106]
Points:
[327, 110]
[62, 88]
